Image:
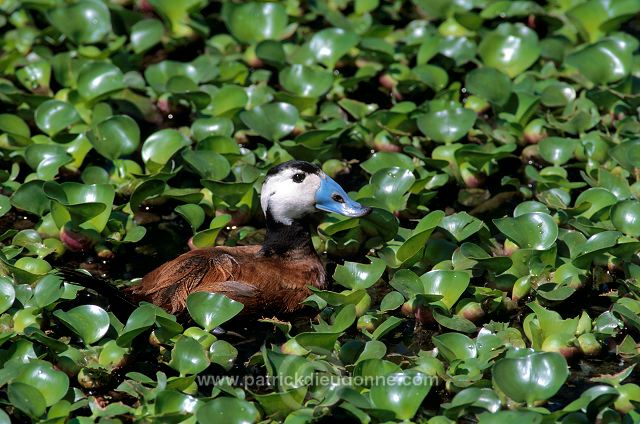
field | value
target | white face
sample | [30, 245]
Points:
[287, 199]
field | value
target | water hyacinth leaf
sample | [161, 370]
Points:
[228, 100]
[382, 160]
[390, 186]
[355, 276]
[35, 76]
[231, 410]
[51, 383]
[15, 128]
[625, 216]
[31, 198]
[268, 21]
[605, 62]
[90, 322]
[7, 294]
[595, 18]
[271, 121]
[203, 128]
[421, 234]
[391, 301]
[207, 164]
[207, 238]
[27, 398]
[5, 205]
[160, 146]
[453, 346]
[330, 44]
[305, 81]
[138, 322]
[49, 289]
[98, 79]
[557, 150]
[490, 84]
[172, 402]
[54, 116]
[531, 378]
[46, 159]
[84, 22]
[446, 122]
[193, 214]
[210, 310]
[448, 284]
[512, 48]
[627, 154]
[116, 136]
[146, 34]
[461, 225]
[534, 230]
[223, 354]
[158, 74]
[86, 205]
[405, 396]
[188, 356]
[557, 94]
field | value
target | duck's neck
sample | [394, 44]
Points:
[293, 240]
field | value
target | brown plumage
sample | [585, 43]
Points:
[264, 284]
[268, 279]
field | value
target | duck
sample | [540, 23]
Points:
[268, 279]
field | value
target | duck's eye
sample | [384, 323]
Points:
[299, 177]
[337, 198]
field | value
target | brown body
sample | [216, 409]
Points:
[265, 283]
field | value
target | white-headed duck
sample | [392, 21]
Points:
[267, 279]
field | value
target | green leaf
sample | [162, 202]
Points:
[534, 230]
[512, 48]
[90, 322]
[116, 136]
[99, 79]
[210, 310]
[403, 395]
[5, 205]
[188, 356]
[193, 214]
[535, 377]
[253, 22]
[448, 284]
[53, 116]
[625, 216]
[355, 276]
[160, 146]
[595, 18]
[330, 44]
[27, 398]
[223, 354]
[51, 383]
[231, 410]
[271, 121]
[305, 81]
[146, 34]
[604, 62]
[7, 294]
[490, 84]
[84, 22]
[446, 122]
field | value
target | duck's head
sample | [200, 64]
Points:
[296, 188]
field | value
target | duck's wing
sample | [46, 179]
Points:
[200, 270]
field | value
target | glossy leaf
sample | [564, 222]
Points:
[446, 122]
[210, 310]
[534, 230]
[511, 48]
[535, 377]
[90, 322]
[272, 121]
